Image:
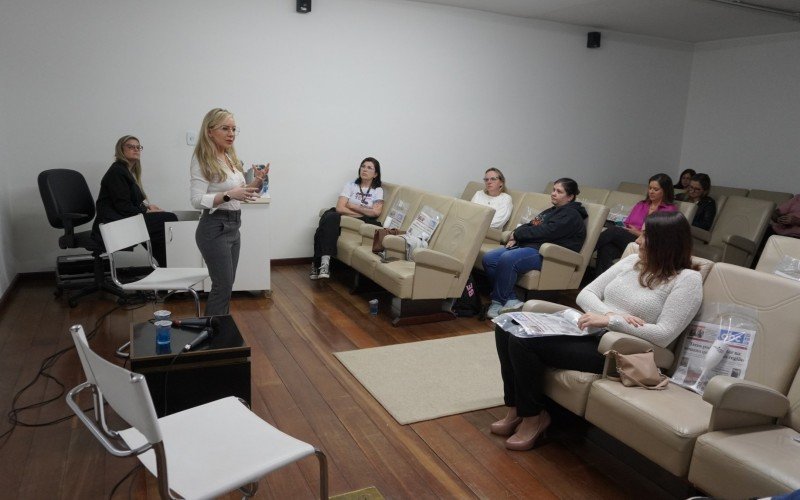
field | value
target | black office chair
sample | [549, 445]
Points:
[68, 204]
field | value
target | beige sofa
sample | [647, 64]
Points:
[777, 246]
[664, 425]
[776, 196]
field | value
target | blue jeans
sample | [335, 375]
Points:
[503, 265]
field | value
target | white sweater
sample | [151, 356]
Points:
[502, 204]
[666, 310]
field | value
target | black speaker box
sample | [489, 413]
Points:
[593, 39]
[304, 6]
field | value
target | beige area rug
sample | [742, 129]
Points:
[432, 378]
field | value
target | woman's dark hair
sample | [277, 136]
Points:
[569, 185]
[376, 182]
[689, 171]
[665, 182]
[705, 182]
[667, 248]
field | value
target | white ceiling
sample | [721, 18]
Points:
[684, 20]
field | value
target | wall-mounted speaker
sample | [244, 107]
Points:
[592, 39]
[304, 6]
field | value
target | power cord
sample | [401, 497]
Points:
[48, 362]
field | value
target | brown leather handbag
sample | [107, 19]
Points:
[638, 370]
[380, 234]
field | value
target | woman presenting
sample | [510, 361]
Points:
[121, 196]
[218, 187]
[653, 296]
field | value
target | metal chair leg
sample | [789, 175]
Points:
[323, 474]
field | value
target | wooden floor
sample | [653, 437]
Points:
[300, 387]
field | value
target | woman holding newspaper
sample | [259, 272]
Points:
[653, 295]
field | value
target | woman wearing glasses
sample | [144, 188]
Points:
[218, 187]
[697, 192]
[121, 196]
[362, 199]
[494, 195]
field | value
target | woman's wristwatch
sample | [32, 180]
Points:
[226, 197]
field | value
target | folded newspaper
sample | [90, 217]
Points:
[530, 324]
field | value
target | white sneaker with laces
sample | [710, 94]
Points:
[512, 305]
[494, 310]
[324, 271]
[314, 274]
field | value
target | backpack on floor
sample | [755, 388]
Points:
[469, 304]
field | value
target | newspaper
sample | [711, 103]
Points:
[424, 224]
[397, 214]
[529, 215]
[618, 214]
[711, 349]
[530, 324]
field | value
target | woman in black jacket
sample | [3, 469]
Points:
[121, 196]
[697, 192]
[562, 224]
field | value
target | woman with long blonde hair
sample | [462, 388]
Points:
[218, 187]
[122, 195]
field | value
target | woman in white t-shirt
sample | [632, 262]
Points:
[494, 195]
[361, 198]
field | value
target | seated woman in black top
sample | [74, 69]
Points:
[697, 192]
[121, 196]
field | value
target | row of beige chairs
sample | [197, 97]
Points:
[423, 287]
[716, 192]
[742, 437]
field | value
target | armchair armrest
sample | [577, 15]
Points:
[560, 254]
[701, 234]
[505, 236]
[366, 230]
[740, 242]
[742, 403]
[628, 344]
[351, 223]
[543, 306]
[494, 234]
[394, 243]
[431, 258]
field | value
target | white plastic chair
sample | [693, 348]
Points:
[202, 452]
[132, 231]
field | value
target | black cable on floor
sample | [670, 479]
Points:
[126, 476]
[47, 363]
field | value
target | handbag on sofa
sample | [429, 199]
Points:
[638, 370]
[380, 234]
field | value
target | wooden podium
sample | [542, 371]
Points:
[177, 380]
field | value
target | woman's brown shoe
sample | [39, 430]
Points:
[505, 427]
[528, 432]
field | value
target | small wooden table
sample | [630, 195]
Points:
[217, 368]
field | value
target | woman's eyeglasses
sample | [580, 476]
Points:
[487, 179]
[137, 148]
[228, 130]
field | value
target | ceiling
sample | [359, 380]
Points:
[684, 20]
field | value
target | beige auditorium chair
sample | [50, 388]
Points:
[753, 447]
[625, 199]
[717, 191]
[438, 272]
[350, 236]
[776, 196]
[737, 232]
[777, 246]
[633, 187]
[364, 261]
[591, 194]
[570, 388]
[664, 425]
[563, 269]
[688, 209]
[470, 189]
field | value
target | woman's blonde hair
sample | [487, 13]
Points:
[134, 166]
[206, 151]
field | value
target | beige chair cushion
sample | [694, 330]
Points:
[747, 463]
[745, 217]
[633, 187]
[777, 197]
[776, 247]
[470, 189]
[687, 209]
[594, 195]
[717, 191]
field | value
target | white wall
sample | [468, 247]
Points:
[437, 94]
[743, 116]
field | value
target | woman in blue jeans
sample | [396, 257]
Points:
[562, 224]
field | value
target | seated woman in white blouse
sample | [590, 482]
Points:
[495, 196]
[653, 295]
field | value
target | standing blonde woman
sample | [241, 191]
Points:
[218, 188]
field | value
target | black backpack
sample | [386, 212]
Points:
[469, 304]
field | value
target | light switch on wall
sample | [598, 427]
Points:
[191, 138]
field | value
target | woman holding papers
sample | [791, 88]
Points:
[218, 187]
[652, 295]
[361, 198]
